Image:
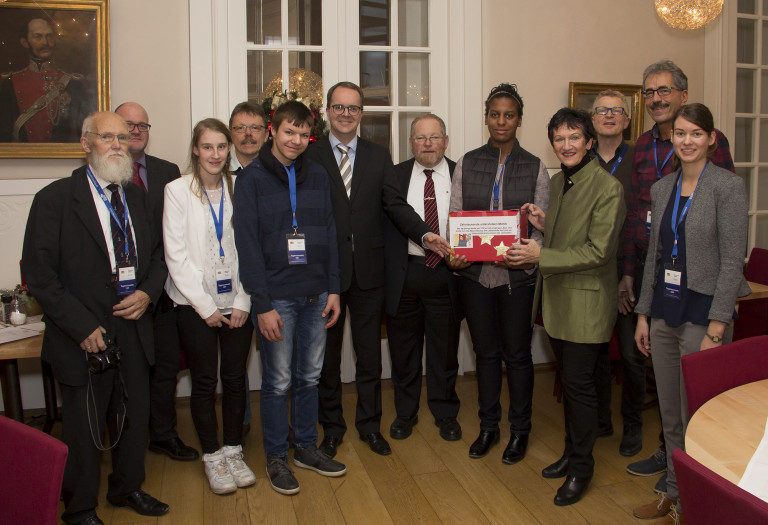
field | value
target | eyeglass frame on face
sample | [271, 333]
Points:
[142, 126]
[109, 138]
[604, 110]
[255, 128]
[421, 139]
[667, 91]
[339, 109]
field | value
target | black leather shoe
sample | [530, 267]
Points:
[631, 441]
[93, 519]
[329, 445]
[483, 443]
[605, 430]
[515, 451]
[377, 443]
[572, 490]
[558, 469]
[450, 430]
[174, 448]
[402, 427]
[142, 503]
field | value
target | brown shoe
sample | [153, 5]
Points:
[672, 518]
[655, 509]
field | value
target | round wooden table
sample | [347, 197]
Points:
[724, 433]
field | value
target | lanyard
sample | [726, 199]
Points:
[292, 190]
[684, 212]
[123, 227]
[656, 161]
[497, 184]
[218, 223]
[621, 157]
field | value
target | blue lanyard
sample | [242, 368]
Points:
[123, 227]
[656, 161]
[292, 190]
[218, 223]
[497, 184]
[621, 156]
[678, 222]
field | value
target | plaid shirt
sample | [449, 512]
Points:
[644, 174]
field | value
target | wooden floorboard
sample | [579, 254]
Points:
[425, 481]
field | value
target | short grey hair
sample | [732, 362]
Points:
[88, 124]
[426, 116]
[615, 94]
[678, 77]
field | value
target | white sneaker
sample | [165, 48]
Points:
[219, 477]
[244, 476]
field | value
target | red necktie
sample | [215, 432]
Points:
[137, 178]
[430, 216]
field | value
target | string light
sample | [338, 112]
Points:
[688, 14]
[307, 85]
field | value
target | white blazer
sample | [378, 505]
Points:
[185, 218]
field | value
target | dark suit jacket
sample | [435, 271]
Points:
[396, 244]
[159, 173]
[360, 218]
[66, 265]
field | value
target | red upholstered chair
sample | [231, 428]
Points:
[753, 314]
[33, 467]
[714, 371]
[708, 498]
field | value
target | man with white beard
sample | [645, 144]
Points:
[91, 259]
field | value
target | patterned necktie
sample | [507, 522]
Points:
[345, 168]
[137, 178]
[118, 240]
[430, 216]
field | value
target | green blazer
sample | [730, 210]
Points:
[577, 282]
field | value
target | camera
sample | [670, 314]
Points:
[107, 359]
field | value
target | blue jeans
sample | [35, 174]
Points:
[293, 365]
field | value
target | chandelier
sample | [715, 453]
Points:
[688, 14]
[306, 84]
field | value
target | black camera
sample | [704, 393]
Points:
[107, 359]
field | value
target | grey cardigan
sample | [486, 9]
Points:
[716, 240]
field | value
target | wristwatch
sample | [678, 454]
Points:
[715, 338]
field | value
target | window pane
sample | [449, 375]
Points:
[745, 41]
[765, 42]
[746, 174]
[264, 67]
[413, 79]
[405, 119]
[743, 140]
[306, 75]
[761, 239]
[745, 90]
[263, 22]
[374, 22]
[762, 189]
[412, 23]
[764, 94]
[376, 127]
[375, 78]
[305, 22]
[747, 6]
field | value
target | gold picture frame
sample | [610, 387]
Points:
[73, 82]
[581, 95]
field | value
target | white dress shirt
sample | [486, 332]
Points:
[105, 216]
[441, 178]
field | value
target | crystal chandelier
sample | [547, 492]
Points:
[688, 14]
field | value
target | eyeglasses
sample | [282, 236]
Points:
[604, 110]
[253, 129]
[143, 126]
[422, 139]
[663, 91]
[338, 109]
[109, 138]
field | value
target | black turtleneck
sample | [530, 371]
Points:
[569, 172]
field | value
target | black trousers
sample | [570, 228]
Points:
[425, 309]
[201, 343]
[577, 363]
[499, 321]
[80, 487]
[162, 379]
[365, 309]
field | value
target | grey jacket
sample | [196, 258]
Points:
[716, 240]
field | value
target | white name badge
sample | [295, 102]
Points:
[297, 248]
[673, 276]
[126, 280]
[223, 280]
[648, 224]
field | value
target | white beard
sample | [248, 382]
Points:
[114, 167]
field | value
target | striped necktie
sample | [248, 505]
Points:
[430, 216]
[345, 168]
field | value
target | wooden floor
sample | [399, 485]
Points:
[425, 480]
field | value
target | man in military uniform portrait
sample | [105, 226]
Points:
[42, 103]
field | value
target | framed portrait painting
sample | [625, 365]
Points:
[54, 71]
[581, 95]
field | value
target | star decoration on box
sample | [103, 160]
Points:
[501, 249]
[485, 239]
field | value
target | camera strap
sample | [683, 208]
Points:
[97, 433]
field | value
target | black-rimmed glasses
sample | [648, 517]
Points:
[143, 126]
[338, 109]
[663, 91]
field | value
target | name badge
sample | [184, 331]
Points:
[126, 280]
[648, 224]
[297, 248]
[223, 280]
[673, 276]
